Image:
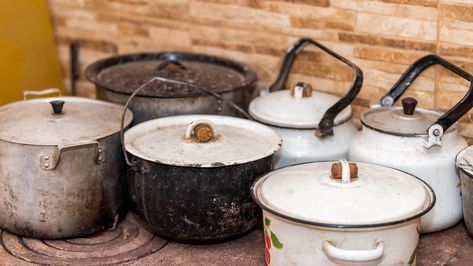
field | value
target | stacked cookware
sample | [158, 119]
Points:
[195, 170]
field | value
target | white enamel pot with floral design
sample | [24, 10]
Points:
[314, 126]
[356, 214]
[419, 141]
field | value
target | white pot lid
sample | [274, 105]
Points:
[397, 120]
[282, 109]
[307, 193]
[235, 141]
[33, 122]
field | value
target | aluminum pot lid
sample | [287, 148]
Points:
[405, 121]
[309, 193]
[286, 108]
[464, 160]
[124, 74]
[201, 141]
[78, 120]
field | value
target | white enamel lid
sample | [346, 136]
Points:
[236, 141]
[392, 120]
[282, 109]
[307, 193]
[33, 122]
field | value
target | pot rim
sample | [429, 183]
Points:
[461, 169]
[255, 186]
[453, 128]
[301, 127]
[93, 70]
[275, 146]
[128, 121]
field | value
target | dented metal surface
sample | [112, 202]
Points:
[193, 204]
[74, 196]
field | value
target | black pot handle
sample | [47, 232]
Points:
[436, 130]
[327, 122]
[201, 89]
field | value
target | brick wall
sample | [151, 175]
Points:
[383, 37]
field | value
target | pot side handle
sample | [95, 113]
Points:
[50, 161]
[436, 130]
[327, 122]
[27, 93]
[336, 253]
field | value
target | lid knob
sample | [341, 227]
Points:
[409, 105]
[202, 130]
[301, 90]
[57, 106]
[344, 171]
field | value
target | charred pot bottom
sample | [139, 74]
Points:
[193, 204]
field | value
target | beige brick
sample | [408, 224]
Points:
[236, 15]
[455, 50]
[457, 12]
[426, 3]
[388, 55]
[389, 9]
[393, 26]
[389, 42]
[322, 3]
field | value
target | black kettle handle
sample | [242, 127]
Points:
[436, 130]
[327, 122]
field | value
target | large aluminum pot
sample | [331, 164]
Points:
[61, 169]
[464, 162]
[189, 176]
[314, 125]
[419, 141]
[354, 214]
[116, 78]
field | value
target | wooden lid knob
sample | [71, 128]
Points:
[203, 133]
[337, 170]
[301, 90]
[409, 105]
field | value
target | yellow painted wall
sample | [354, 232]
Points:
[28, 58]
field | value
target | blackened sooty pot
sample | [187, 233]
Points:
[189, 176]
[221, 80]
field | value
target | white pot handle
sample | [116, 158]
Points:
[334, 252]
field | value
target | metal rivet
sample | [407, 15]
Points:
[46, 157]
[46, 165]
[100, 150]
[436, 132]
[100, 158]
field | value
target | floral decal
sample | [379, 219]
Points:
[270, 239]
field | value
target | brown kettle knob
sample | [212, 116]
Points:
[57, 106]
[409, 105]
[337, 170]
[301, 90]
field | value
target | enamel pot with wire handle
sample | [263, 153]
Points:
[189, 176]
[419, 141]
[314, 125]
[61, 171]
[341, 213]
